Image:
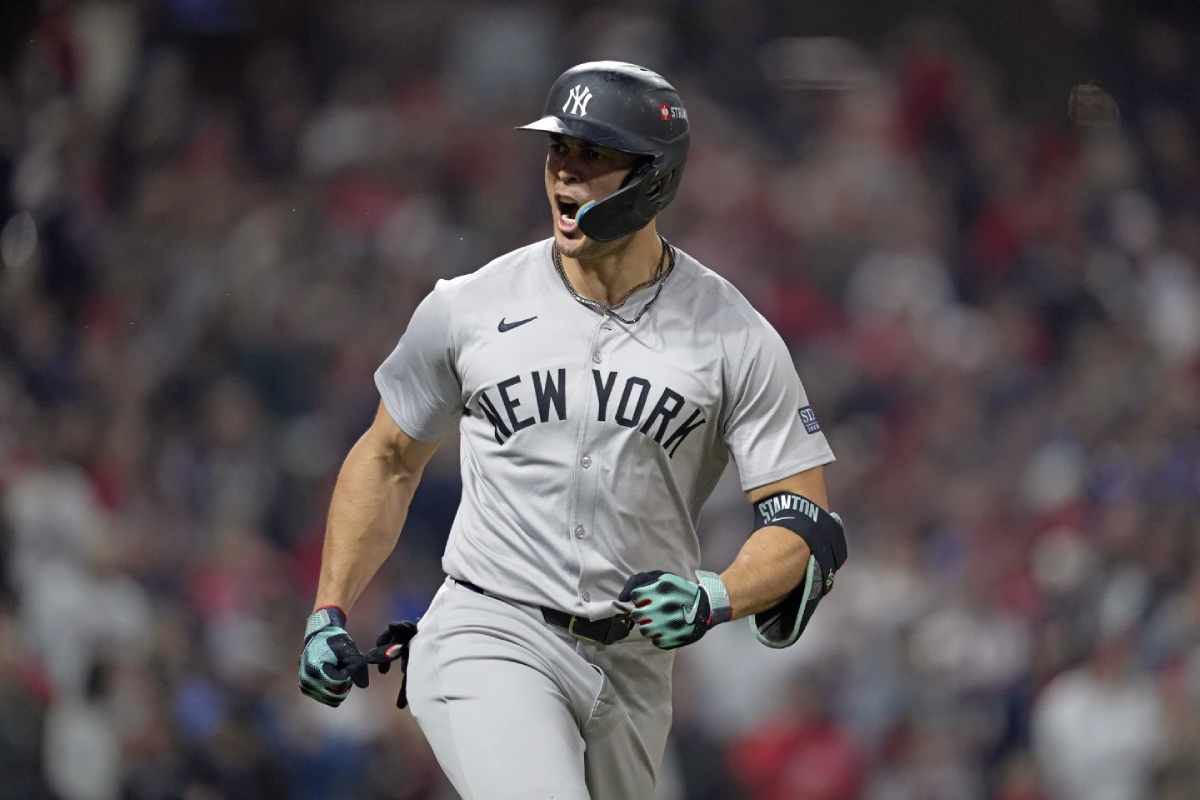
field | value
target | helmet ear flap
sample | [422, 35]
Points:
[660, 183]
[654, 186]
[641, 167]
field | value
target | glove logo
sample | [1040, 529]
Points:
[689, 616]
[577, 101]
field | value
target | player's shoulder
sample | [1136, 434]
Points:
[502, 273]
[716, 300]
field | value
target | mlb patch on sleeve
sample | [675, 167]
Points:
[809, 418]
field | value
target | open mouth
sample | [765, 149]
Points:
[567, 209]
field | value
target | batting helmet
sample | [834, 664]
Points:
[631, 109]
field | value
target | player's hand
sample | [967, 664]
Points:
[672, 611]
[392, 645]
[330, 661]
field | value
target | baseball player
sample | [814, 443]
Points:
[600, 380]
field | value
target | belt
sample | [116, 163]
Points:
[602, 631]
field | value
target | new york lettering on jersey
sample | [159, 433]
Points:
[656, 410]
[588, 445]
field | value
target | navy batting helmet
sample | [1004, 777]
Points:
[631, 109]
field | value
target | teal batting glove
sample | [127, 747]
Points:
[330, 661]
[672, 611]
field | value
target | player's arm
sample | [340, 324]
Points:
[773, 561]
[779, 576]
[420, 399]
[370, 502]
[796, 544]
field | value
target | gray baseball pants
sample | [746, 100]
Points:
[516, 708]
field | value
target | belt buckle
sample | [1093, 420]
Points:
[626, 622]
[571, 630]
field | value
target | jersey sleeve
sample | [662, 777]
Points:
[770, 429]
[418, 382]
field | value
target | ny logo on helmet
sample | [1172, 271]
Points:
[578, 101]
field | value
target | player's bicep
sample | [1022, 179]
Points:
[810, 483]
[405, 456]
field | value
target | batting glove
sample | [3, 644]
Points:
[672, 611]
[330, 660]
[392, 645]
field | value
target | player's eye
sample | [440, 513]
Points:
[558, 148]
[591, 154]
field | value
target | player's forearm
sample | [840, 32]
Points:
[369, 506]
[770, 564]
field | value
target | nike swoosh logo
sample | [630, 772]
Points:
[689, 616]
[508, 326]
[773, 520]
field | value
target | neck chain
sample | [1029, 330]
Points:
[665, 265]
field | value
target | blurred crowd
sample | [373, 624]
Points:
[216, 218]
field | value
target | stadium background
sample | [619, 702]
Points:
[217, 215]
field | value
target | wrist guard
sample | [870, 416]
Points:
[324, 617]
[782, 624]
[719, 609]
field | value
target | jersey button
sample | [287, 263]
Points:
[585, 462]
[596, 357]
[580, 531]
[586, 597]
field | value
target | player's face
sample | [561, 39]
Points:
[577, 172]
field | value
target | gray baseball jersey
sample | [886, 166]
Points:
[589, 445]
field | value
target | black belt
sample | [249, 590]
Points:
[603, 631]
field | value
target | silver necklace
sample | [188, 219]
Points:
[665, 265]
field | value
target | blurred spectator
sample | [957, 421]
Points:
[83, 756]
[801, 752]
[1099, 729]
[25, 695]
[1179, 776]
[928, 761]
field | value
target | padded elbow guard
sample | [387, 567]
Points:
[782, 624]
